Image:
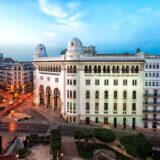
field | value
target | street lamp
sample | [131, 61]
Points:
[61, 155]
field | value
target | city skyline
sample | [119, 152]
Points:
[112, 26]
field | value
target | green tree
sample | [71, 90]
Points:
[105, 135]
[139, 141]
[55, 142]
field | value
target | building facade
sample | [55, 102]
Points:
[91, 88]
[16, 76]
[151, 108]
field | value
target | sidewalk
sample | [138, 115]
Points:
[69, 148]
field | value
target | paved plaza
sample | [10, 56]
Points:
[40, 152]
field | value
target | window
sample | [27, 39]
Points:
[41, 77]
[146, 74]
[115, 82]
[87, 94]
[96, 107]
[124, 94]
[87, 82]
[105, 94]
[74, 94]
[70, 82]
[97, 94]
[105, 106]
[146, 66]
[67, 93]
[115, 107]
[70, 94]
[97, 82]
[67, 81]
[96, 119]
[74, 82]
[157, 66]
[153, 66]
[48, 78]
[124, 106]
[115, 94]
[125, 82]
[150, 66]
[106, 82]
[133, 106]
[134, 82]
[134, 95]
[56, 79]
[87, 107]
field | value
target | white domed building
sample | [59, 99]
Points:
[91, 88]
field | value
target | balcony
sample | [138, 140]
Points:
[151, 95]
[151, 111]
[151, 103]
[151, 119]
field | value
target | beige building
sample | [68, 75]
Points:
[88, 87]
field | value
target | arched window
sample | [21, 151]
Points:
[70, 69]
[74, 69]
[108, 69]
[99, 69]
[96, 120]
[127, 69]
[59, 68]
[104, 69]
[105, 94]
[123, 69]
[67, 69]
[90, 69]
[97, 95]
[124, 94]
[86, 69]
[113, 69]
[137, 69]
[54, 69]
[95, 69]
[134, 95]
[87, 94]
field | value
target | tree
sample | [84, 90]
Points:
[139, 141]
[78, 135]
[55, 142]
[105, 135]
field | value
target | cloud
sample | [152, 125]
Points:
[52, 10]
[66, 17]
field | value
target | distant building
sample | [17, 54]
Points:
[16, 76]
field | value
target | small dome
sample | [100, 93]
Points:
[40, 51]
[75, 45]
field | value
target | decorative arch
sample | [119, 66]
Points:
[41, 95]
[56, 98]
[48, 96]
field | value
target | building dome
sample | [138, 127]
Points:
[40, 51]
[75, 48]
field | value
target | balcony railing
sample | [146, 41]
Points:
[151, 119]
[151, 111]
[151, 95]
[152, 103]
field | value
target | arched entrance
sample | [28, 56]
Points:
[41, 95]
[48, 96]
[57, 100]
[87, 120]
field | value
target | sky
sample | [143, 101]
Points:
[113, 26]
